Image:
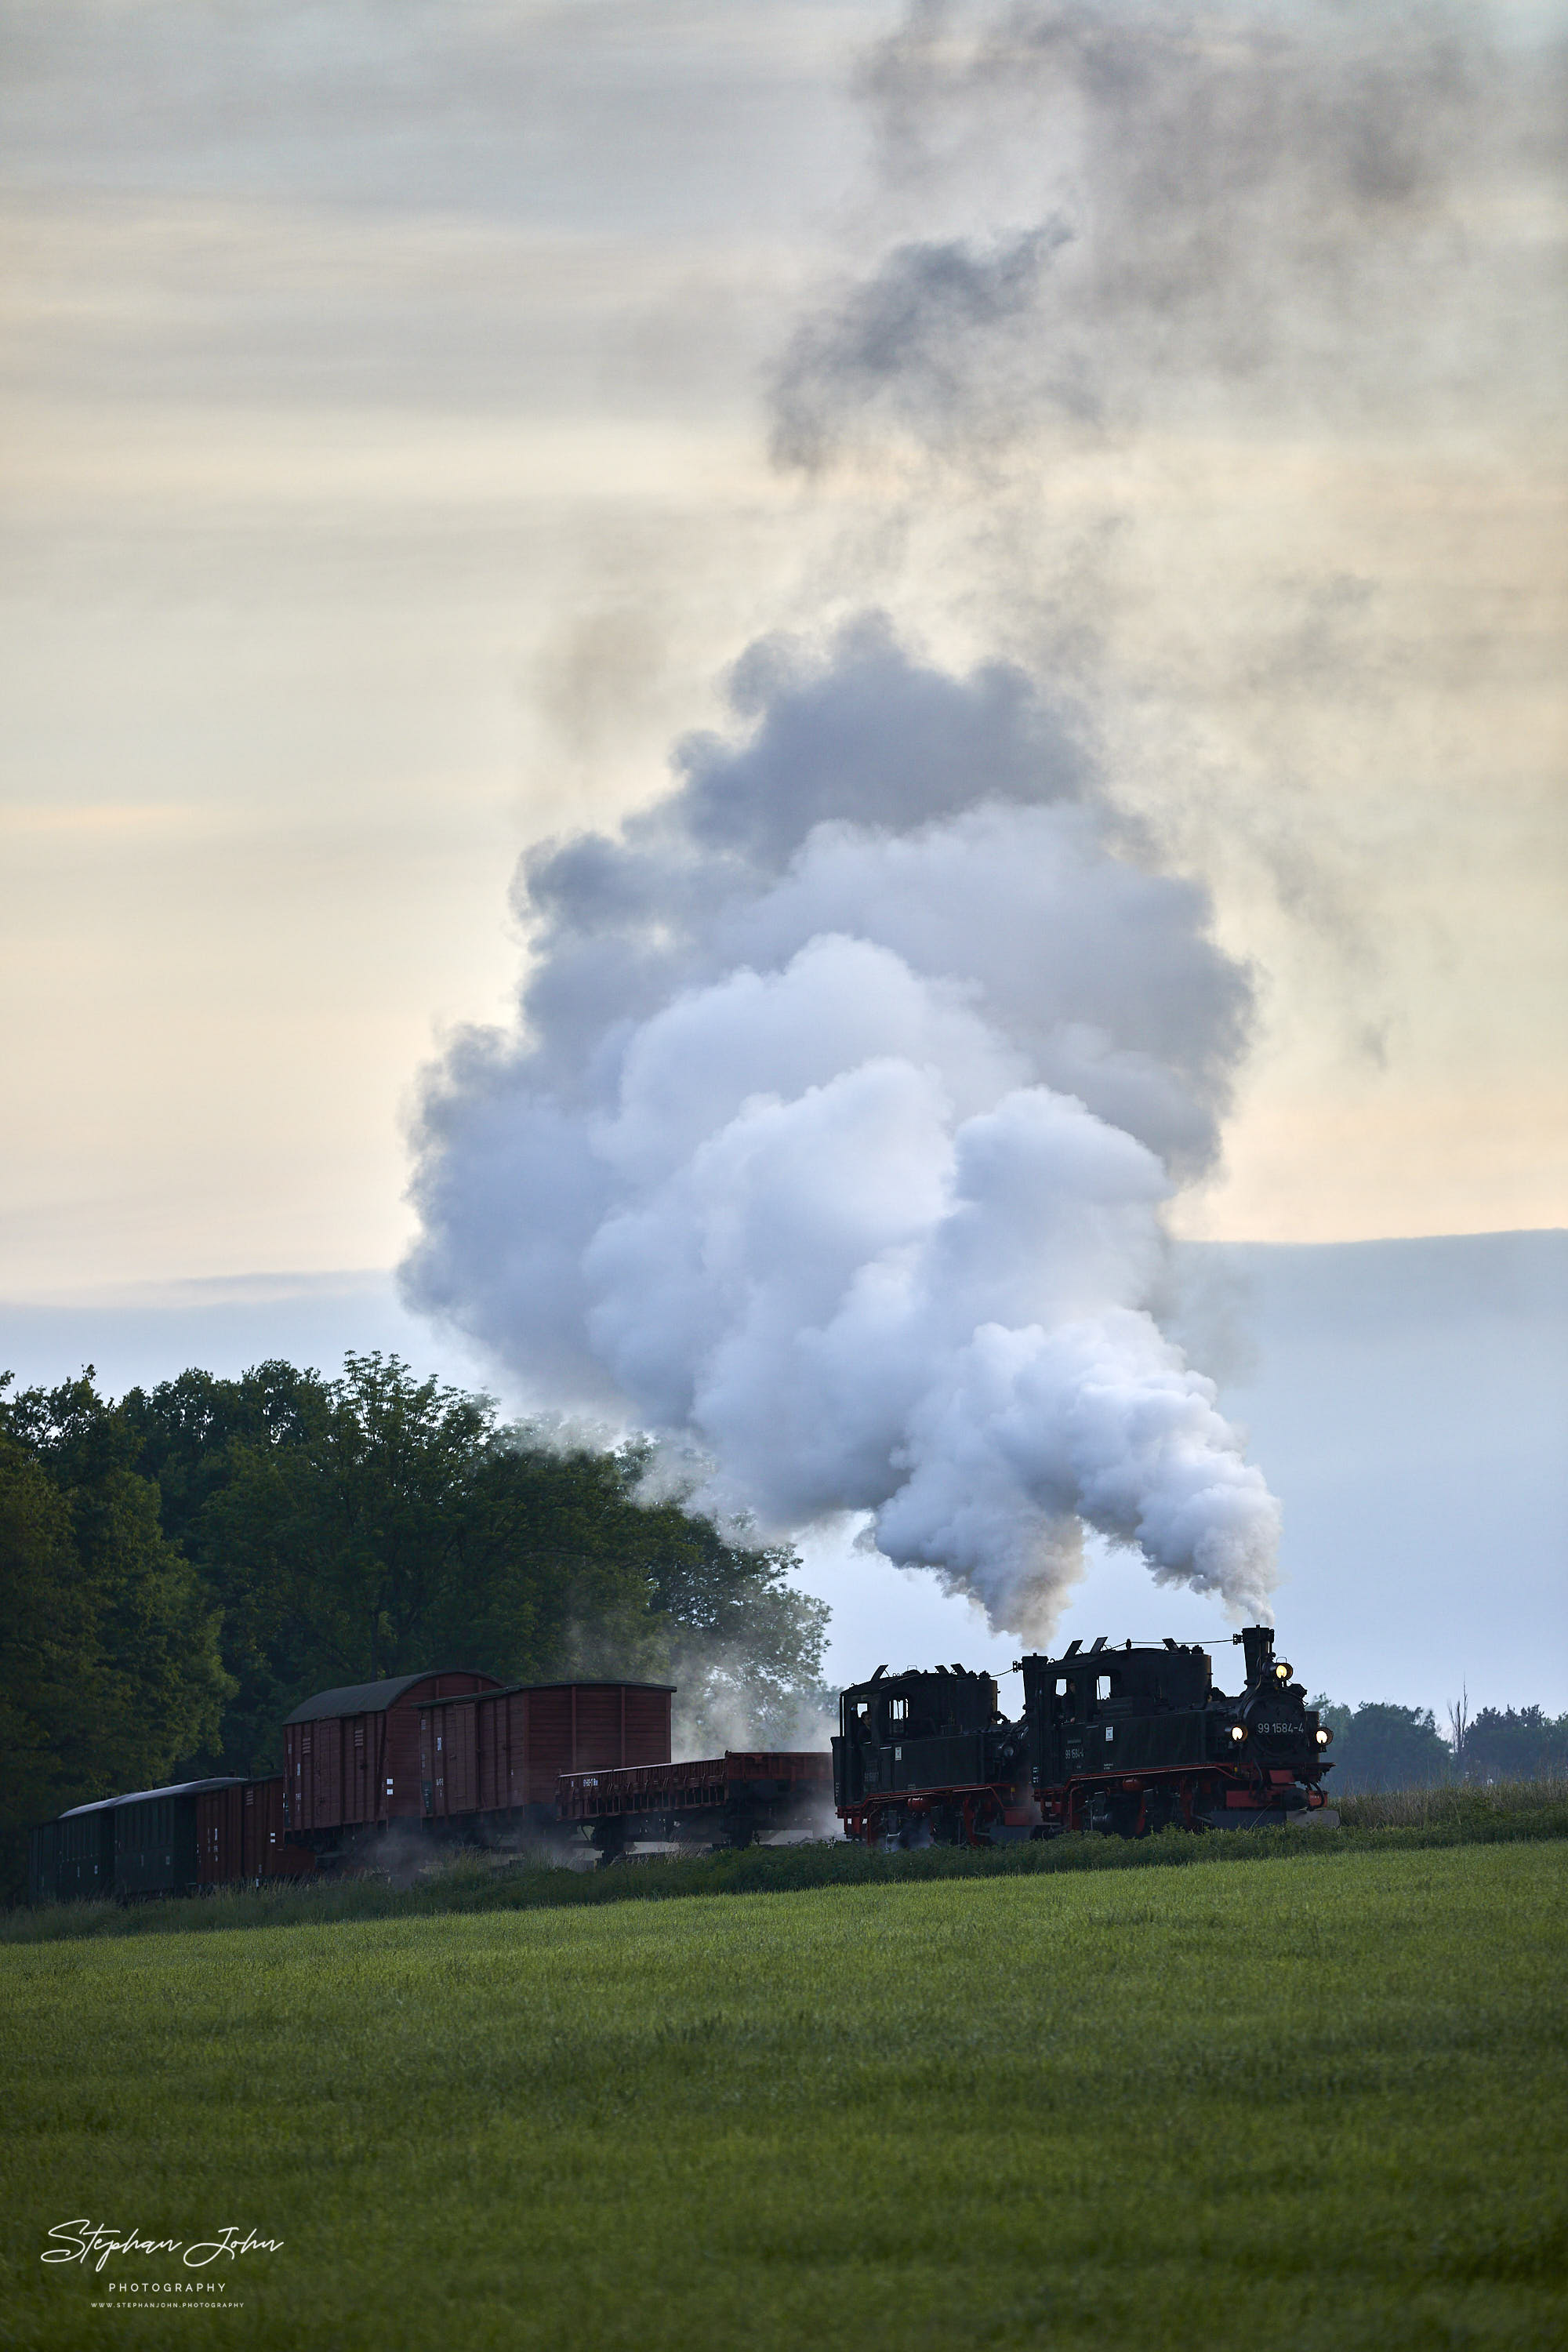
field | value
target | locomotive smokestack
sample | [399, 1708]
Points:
[1257, 1651]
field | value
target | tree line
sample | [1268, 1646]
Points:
[1381, 1746]
[181, 1567]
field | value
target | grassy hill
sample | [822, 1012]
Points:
[1124, 2108]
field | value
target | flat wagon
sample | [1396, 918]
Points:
[729, 1799]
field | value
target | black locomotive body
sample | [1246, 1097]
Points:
[1123, 1740]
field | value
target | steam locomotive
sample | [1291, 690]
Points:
[1124, 1741]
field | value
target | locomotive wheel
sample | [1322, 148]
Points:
[1117, 1812]
[979, 1813]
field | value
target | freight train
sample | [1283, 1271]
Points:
[452, 1757]
[1122, 1741]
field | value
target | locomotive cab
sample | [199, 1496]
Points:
[912, 1730]
[1105, 1710]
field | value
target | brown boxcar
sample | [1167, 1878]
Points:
[351, 1757]
[268, 1850]
[501, 1752]
[241, 1836]
[220, 1835]
[730, 1799]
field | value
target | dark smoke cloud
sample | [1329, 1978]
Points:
[919, 340]
[1280, 200]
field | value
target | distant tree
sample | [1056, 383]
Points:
[1513, 1744]
[556, 1572]
[1378, 1744]
[377, 1522]
[561, 1567]
[184, 1431]
[1459, 1723]
[222, 1453]
[110, 1663]
[1337, 1718]
[326, 1531]
[331, 1535]
[745, 1646]
[49, 1664]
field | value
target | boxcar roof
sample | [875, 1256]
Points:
[598, 1682]
[141, 1796]
[466, 1699]
[371, 1699]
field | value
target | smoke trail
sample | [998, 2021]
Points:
[1225, 211]
[850, 1081]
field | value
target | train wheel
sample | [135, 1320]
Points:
[1124, 1815]
[979, 1813]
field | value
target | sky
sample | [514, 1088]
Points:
[410, 413]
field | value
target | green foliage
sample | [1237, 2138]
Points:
[1385, 1747]
[394, 1524]
[110, 1661]
[1381, 1746]
[1511, 1743]
[338, 1531]
[1122, 2109]
[49, 1651]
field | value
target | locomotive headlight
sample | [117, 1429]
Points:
[1239, 1732]
[1283, 1673]
[1322, 1738]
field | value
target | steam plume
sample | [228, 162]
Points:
[850, 1081]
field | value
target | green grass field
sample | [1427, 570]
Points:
[1284, 2106]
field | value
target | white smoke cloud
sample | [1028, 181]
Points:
[850, 1082]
